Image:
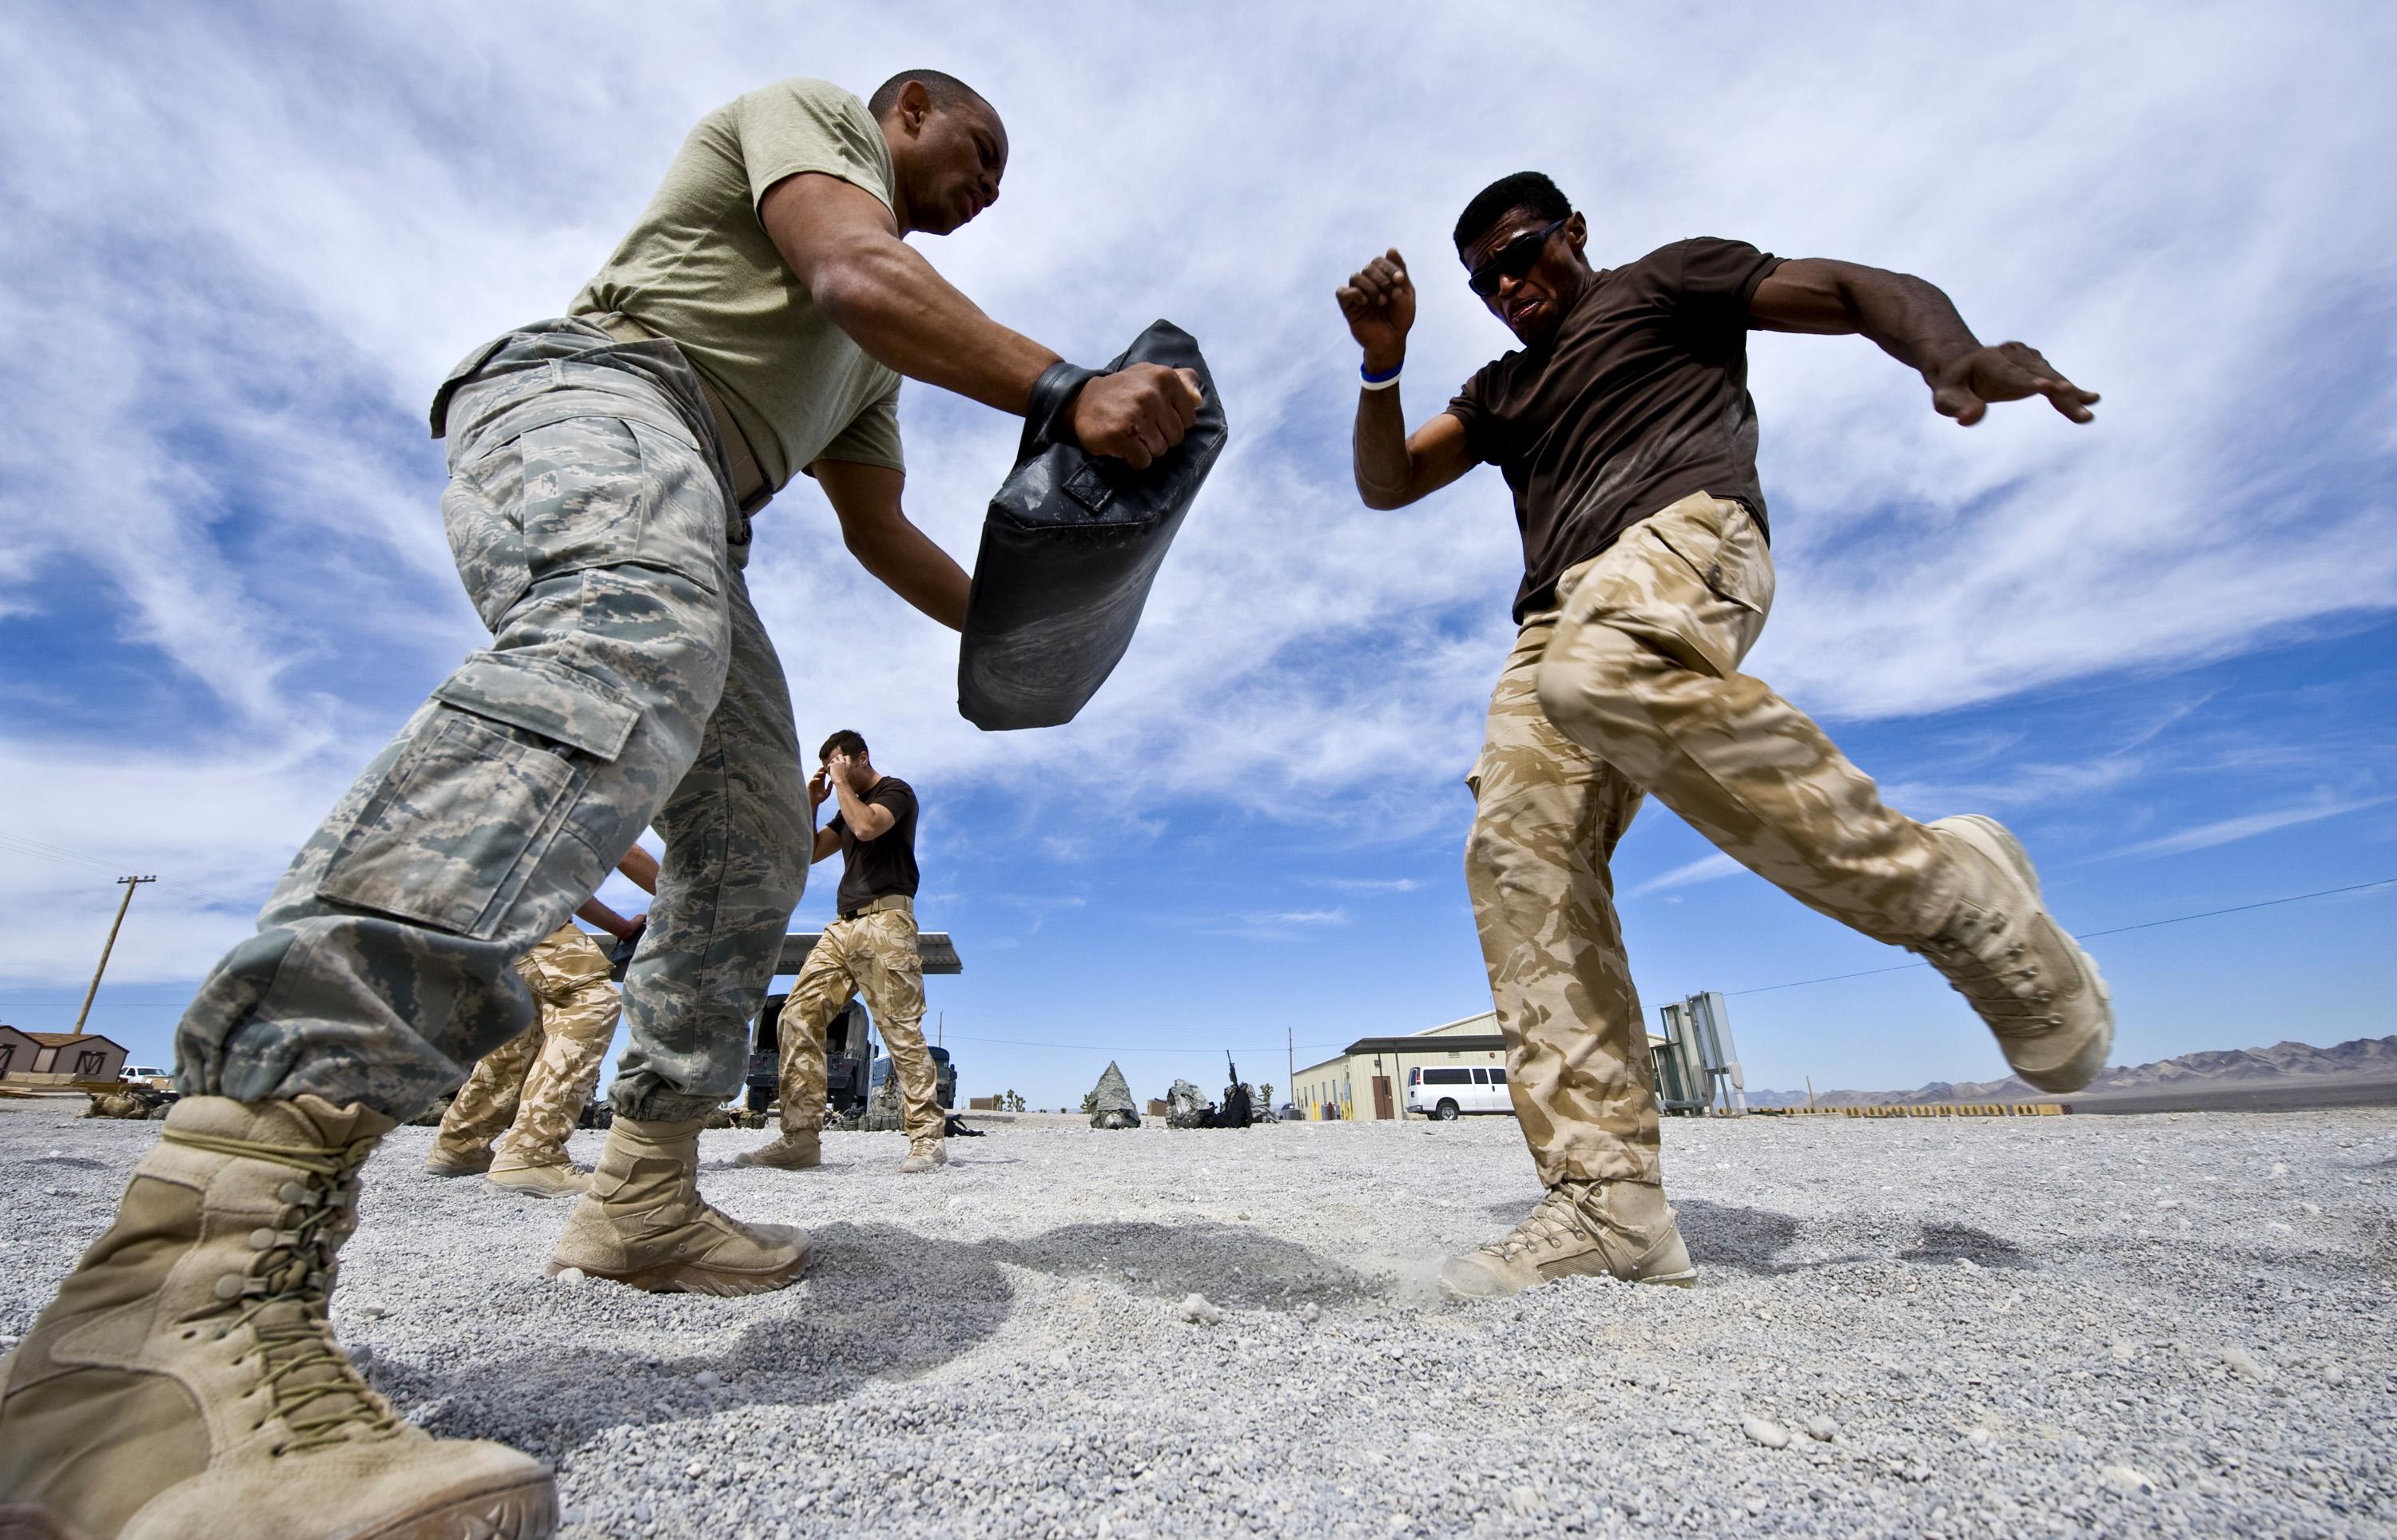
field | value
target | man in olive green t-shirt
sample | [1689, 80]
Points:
[603, 471]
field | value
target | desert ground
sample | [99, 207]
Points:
[2165, 1324]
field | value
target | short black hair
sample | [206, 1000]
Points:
[1529, 191]
[846, 741]
[946, 91]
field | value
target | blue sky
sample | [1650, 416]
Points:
[244, 245]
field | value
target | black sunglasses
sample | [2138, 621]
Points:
[1511, 260]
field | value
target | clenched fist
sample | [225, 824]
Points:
[1137, 413]
[1379, 301]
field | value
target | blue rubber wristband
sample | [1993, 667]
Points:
[1371, 379]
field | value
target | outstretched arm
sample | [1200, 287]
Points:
[842, 244]
[1394, 467]
[886, 543]
[1917, 325]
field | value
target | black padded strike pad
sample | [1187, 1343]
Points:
[1069, 548]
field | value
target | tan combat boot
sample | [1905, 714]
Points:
[186, 1383]
[642, 1222]
[925, 1154]
[2002, 949]
[552, 1179]
[1597, 1228]
[448, 1161]
[790, 1152]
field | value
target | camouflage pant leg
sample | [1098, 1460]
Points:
[1643, 672]
[890, 967]
[567, 976]
[590, 526]
[487, 1101]
[826, 984]
[1547, 816]
[736, 850]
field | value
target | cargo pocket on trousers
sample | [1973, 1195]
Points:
[1702, 593]
[476, 799]
[587, 495]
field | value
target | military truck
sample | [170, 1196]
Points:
[847, 1053]
[944, 1078]
[853, 1073]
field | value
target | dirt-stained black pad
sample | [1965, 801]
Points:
[1069, 548]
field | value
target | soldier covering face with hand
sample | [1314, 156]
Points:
[605, 468]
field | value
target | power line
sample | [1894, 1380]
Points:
[2088, 935]
[36, 847]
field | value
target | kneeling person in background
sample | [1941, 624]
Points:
[869, 950]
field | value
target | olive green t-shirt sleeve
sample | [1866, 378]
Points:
[872, 436]
[801, 126]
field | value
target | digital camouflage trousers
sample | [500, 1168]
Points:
[529, 1092]
[628, 685]
[877, 955]
[1632, 687]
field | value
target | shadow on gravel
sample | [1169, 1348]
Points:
[1744, 1240]
[1229, 1263]
[1949, 1244]
[877, 1302]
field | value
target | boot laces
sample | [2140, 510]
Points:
[1555, 1222]
[282, 1297]
[1991, 967]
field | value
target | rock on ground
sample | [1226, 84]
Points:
[999, 1349]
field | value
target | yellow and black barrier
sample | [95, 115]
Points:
[1955, 1109]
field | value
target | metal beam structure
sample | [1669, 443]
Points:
[940, 953]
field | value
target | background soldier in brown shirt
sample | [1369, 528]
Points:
[1625, 430]
[870, 948]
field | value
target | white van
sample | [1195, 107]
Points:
[1450, 1090]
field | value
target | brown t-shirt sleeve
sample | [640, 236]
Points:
[1469, 406]
[1708, 284]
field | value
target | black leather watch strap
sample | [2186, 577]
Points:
[1048, 415]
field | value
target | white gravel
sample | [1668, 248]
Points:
[2173, 1324]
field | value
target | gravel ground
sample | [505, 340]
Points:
[2173, 1324]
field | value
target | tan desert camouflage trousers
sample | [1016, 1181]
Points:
[1632, 687]
[875, 955]
[534, 1085]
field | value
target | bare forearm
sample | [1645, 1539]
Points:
[606, 920]
[911, 565]
[908, 317]
[1913, 321]
[1380, 449]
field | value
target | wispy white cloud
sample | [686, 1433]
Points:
[1706, 869]
[2223, 832]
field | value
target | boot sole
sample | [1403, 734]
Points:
[527, 1190]
[689, 1278]
[527, 1510]
[1997, 842]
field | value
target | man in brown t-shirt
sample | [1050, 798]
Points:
[1625, 430]
[869, 947]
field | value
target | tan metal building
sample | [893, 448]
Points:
[59, 1058]
[1369, 1080]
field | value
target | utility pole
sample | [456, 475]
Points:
[1289, 1065]
[1810, 1093]
[128, 884]
[941, 1029]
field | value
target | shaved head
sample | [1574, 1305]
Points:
[946, 91]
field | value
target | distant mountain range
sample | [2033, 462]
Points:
[2281, 1061]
